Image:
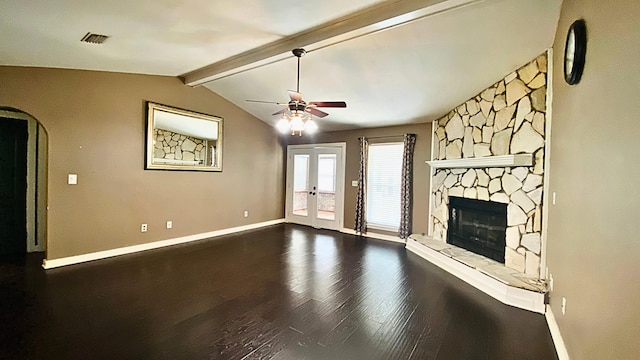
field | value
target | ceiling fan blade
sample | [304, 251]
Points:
[266, 102]
[295, 96]
[329, 104]
[280, 112]
[316, 112]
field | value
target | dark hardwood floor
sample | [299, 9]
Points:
[283, 292]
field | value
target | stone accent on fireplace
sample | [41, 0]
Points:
[508, 118]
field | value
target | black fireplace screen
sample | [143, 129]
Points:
[478, 226]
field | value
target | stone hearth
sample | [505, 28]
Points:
[491, 277]
[484, 265]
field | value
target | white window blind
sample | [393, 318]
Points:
[384, 172]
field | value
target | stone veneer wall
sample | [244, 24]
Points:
[173, 146]
[507, 118]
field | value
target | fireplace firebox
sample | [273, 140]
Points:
[478, 226]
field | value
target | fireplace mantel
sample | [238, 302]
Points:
[484, 162]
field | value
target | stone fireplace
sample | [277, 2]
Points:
[492, 148]
[478, 226]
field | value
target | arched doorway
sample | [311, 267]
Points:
[23, 183]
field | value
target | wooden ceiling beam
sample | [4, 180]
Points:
[376, 18]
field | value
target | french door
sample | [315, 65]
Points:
[315, 185]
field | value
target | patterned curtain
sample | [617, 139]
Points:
[406, 190]
[361, 222]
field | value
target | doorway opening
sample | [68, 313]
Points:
[23, 183]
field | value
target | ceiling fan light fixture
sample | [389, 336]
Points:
[296, 117]
[297, 124]
[310, 126]
[283, 125]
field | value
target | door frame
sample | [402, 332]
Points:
[340, 184]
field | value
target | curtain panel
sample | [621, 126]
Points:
[361, 221]
[406, 189]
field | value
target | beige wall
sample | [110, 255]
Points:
[95, 124]
[593, 248]
[421, 170]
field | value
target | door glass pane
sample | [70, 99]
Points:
[326, 186]
[300, 184]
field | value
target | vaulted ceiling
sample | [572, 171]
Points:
[393, 62]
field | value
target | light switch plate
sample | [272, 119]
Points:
[72, 179]
[354, 183]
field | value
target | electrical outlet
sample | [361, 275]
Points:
[553, 198]
[143, 228]
[564, 305]
[169, 224]
[550, 282]
[246, 213]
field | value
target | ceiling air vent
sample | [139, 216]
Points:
[94, 38]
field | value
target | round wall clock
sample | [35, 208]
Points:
[574, 52]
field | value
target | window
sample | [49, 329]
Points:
[384, 179]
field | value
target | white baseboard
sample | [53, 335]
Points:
[500, 291]
[561, 349]
[54, 263]
[375, 235]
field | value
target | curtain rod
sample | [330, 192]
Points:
[384, 137]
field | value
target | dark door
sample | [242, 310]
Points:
[13, 186]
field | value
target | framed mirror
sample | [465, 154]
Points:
[179, 139]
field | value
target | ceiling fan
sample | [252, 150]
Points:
[297, 109]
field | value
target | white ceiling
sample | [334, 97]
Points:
[406, 74]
